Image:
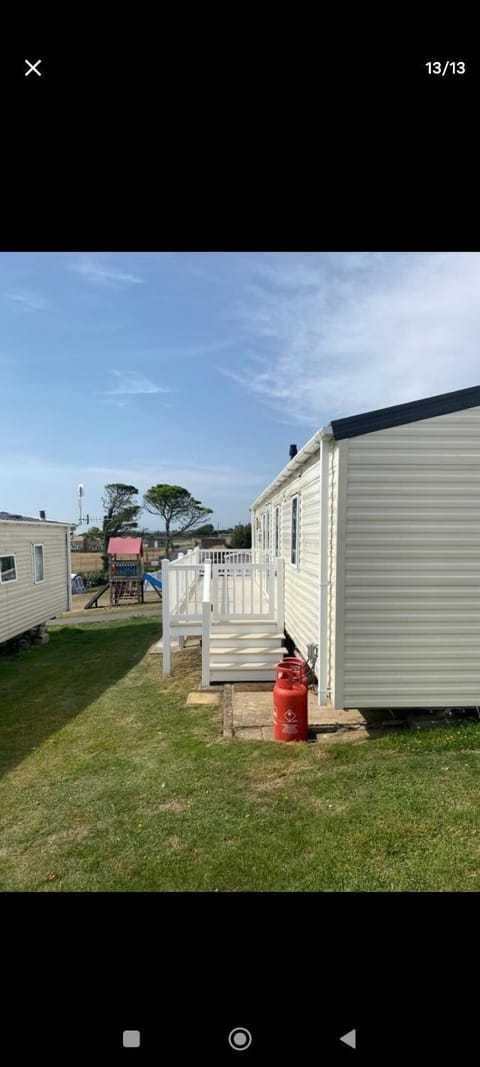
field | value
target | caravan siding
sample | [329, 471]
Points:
[302, 579]
[24, 603]
[332, 566]
[411, 598]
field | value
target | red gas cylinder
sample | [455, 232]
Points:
[290, 707]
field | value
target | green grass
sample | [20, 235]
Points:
[109, 782]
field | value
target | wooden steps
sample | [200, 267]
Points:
[245, 651]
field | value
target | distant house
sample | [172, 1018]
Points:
[35, 572]
[213, 542]
[86, 544]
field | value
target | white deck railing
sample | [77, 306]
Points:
[225, 555]
[243, 590]
[199, 590]
[182, 578]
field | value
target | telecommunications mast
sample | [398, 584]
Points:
[81, 491]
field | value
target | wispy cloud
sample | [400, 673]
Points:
[98, 272]
[337, 333]
[223, 485]
[25, 300]
[132, 384]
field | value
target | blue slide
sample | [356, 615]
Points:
[157, 585]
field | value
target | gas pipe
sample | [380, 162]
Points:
[290, 707]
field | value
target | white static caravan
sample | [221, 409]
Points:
[35, 569]
[378, 521]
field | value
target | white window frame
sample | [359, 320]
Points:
[277, 527]
[9, 555]
[266, 532]
[295, 547]
[38, 581]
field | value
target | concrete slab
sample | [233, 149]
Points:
[203, 698]
[250, 717]
[254, 707]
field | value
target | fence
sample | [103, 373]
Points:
[225, 555]
[199, 591]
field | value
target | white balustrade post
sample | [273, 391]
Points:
[214, 590]
[271, 589]
[166, 616]
[206, 623]
[224, 594]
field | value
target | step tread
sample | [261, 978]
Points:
[232, 621]
[248, 636]
[247, 666]
[246, 651]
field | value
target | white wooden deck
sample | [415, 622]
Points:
[237, 609]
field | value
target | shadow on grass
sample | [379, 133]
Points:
[45, 688]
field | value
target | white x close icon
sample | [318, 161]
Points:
[32, 66]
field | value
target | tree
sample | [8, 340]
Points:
[241, 536]
[91, 535]
[121, 514]
[178, 508]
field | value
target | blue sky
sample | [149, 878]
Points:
[200, 369]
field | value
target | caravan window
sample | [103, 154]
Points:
[8, 569]
[38, 572]
[277, 531]
[294, 532]
[266, 531]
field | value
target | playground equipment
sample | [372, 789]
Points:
[125, 570]
[126, 575]
[93, 602]
[155, 583]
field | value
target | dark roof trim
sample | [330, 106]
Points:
[18, 518]
[6, 516]
[444, 404]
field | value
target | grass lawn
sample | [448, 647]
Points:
[109, 782]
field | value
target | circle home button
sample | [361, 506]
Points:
[240, 1039]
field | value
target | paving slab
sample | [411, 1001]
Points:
[203, 698]
[250, 716]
